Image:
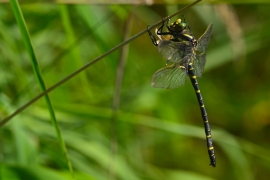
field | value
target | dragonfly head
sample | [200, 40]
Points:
[178, 25]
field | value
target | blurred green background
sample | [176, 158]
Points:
[156, 134]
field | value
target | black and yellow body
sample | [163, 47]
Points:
[207, 129]
[187, 57]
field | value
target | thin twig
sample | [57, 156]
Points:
[4, 121]
[116, 99]
[72, 46]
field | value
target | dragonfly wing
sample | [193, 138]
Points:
[198, 63]
[170, 77]
[173, 51]
[203, 41]
[199, 59]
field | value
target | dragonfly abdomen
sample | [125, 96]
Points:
[207, 129]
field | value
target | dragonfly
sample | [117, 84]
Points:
[186, 57]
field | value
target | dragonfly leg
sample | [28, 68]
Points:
[159, 32]
[168, 27]
[160, 29]
[153, 38]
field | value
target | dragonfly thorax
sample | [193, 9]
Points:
[185, 37]
[180, 31]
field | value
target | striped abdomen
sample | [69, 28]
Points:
[209, 141]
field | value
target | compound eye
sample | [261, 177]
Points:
[183, 24]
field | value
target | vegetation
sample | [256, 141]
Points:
[151, 133]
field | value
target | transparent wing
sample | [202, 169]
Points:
[199, 59]
[203, 41]
[170, 77]
[174, 51]
[198, 63]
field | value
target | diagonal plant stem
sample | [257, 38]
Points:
[5, 120]
[71, 47]
[36, 68]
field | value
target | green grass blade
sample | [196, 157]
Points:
[27, 41]
[74, 54]
[5, 120]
